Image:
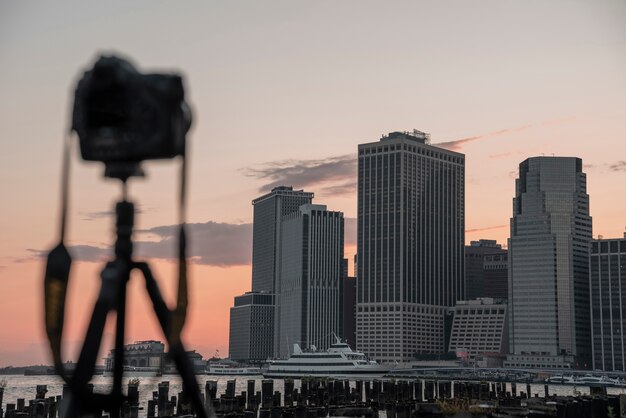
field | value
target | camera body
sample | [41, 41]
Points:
[123, 116]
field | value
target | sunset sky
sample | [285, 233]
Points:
[282, 93]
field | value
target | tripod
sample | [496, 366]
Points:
[112, 297]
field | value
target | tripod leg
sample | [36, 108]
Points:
[176, 349]
[89, 352]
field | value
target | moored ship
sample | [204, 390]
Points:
[339, 361]
[222, 368]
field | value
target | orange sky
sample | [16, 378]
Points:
[284, 91]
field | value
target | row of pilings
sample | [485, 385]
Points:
[321, 397]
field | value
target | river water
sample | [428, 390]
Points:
[19, 386]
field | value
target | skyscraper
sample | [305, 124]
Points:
[311, 276]
[410, 244]
[254, 309]
[607, 281]
[549, 259]
[269, 210]
[486, 270]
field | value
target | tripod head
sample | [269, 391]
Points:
[122, 118]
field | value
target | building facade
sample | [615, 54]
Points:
[269, 210]
[549, 260]
[251, 336]
[311, 276]
[411, 233]
[145, 355]
[486, 270]
[349, 311]
[479, 326]
[607, 283]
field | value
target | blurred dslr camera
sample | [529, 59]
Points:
[123, 117]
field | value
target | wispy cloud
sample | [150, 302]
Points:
[94, 215]
[618, 166]
[209, 243]
[341, 189]
[501, 155]
[89, 253]
[332, 176]
[488, 228]
[458, 144]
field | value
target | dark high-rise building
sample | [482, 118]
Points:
[607, 281]
[251, 336]
[349, 306]
[410, 244]
[486, 270]
[311, 276]
[269, 209]
[549, 260]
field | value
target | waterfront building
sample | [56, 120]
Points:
[479, 327]
[311, 278]
[486, 270]
[197, 362]
[411, 233]
[540, 361]
[251, 336]
[549, 262]
[147, 354]
[607, 282]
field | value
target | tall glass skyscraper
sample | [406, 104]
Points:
[311, 275]
[607, 269]
[269, 210]
[250, 336]
[411, 233]
[549, 259]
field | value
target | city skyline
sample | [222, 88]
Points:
[278, 101]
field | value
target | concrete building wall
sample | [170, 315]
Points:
[479, 326]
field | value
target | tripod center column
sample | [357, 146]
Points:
[125, 219]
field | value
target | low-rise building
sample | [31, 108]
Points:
[479, 326]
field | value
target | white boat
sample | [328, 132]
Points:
[560, 379]
[132, 371]
[586, 380]
[597, 381]
[232, 369]
[339, 361]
